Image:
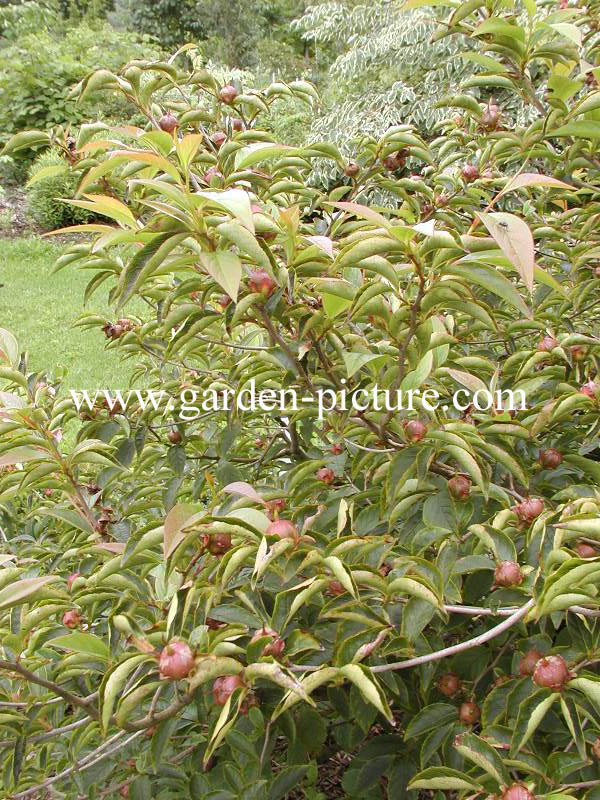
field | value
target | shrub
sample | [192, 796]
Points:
[50, 178]
[250, 592]
[38, 70]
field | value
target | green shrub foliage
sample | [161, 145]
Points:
[251, 603]
[50, 179]
[38, 69]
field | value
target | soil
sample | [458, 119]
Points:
[14, 222]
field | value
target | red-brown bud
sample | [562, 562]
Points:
[261, 282]
[518, 792]
[449, 684]
[219, 544]
[551, 672]
[550, 458]
[72, 619]
[283, 529]
[275, 648]
[228, 93]
[326, 475]
[176, 660]
[528, 662]
[459, 487]
[224, 687]
[168, 122]
[414, 429]
[469, 713]
[508, 573]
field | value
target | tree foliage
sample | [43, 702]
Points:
[214, 604]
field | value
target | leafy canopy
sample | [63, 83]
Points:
[425, 568]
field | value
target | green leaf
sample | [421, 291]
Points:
[431, 718]
[25, 139]
[177, 518]
[531, 712]
[484, 755]
[262, 151]
[444, 779]
[289, 778]
[580, 129]
[513, 237]
[80, 642]
[19, 455]
[235, 201]
[18, 592]
[361, 677]
[354, 361]
[225, 268]
[492, 281]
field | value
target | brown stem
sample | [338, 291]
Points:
[73, 699]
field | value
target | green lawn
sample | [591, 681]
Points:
[40, 308]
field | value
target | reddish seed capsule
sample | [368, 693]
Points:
[275, 647]
[336, 449]
[228, 93]
[335, 588]
[224, 300]
[326, 475]
[578, 353]
[275, 507]
[459, 487]
[469, 713]
[490, 119]
[528, 662]
[283, 528]
[551, 673]
[414, 430]
[547, 344]
[224, 687]
[550, 458]
[237, 124]
[261, 282]
[218, 138]
[449, 684]
[219, 544]
[168, 122]
[72, 578]
[470, 172]
[589, 389]
[530, 509]
[71, 619]
[212, 172]
[352, 169]
[518, 792]
[124, 791]
[174, 437]
[176, 660]
[584, 550]
[508, 573]
[394, 162]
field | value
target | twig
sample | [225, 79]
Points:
[89, 761]
[82, 702]
[515, 617]
[43, 737]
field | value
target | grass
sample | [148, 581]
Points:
[40, 309]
